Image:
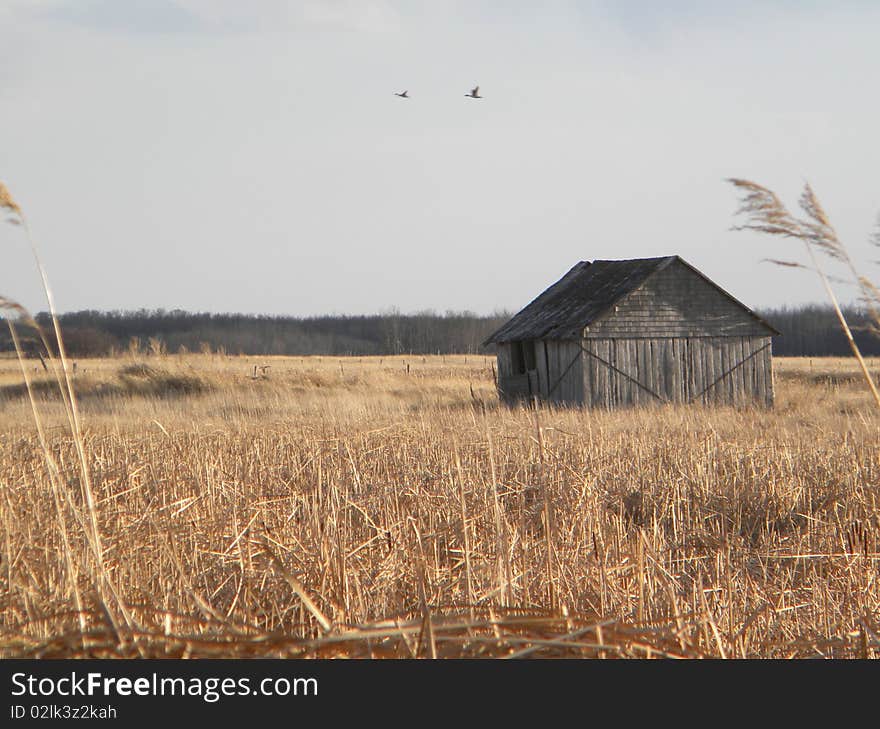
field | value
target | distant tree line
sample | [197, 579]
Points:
[814, 331]
[806, 331]
[97, 333]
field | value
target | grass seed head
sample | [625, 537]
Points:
[8, 202]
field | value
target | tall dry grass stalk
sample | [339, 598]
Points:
[54, 470]
[765, 213]
[109, 597]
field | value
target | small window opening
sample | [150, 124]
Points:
[523, 355]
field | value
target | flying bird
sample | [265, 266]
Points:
[402, 95]
[475, 93]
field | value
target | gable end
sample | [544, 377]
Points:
[678, 301]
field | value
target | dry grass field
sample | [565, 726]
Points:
[390, 507]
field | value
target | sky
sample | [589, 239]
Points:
[214, 155]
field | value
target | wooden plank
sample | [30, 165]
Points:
[727, 362]
[761, 377]
[642, 369]
[552, 374]
[607, 354]
[659, 352]
[676, 370]
[541, 363]
[720, 357]
[709, 370]
[563, 360]
[586, 376]
[734, 356]
[618, 356]
[575, 373]
[680, 369]
[718, 362]
[686, 374]
[703, 358]
[664, 355]
[751, 372]
[635, 391]
[568, 355]
[613, 384]
[595, 375]
[761, 367]
[657, 359]
[627, 364]
[694, 366]
[503, 357]
[619, 359]
[588, 373]
[687, 385]
[734, 348]
[708, 367]
[598, 377]
[746, 371]
[633, 350]
[616, 378]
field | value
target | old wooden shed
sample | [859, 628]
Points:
[648, 330]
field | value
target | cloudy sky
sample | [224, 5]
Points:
[217, 155]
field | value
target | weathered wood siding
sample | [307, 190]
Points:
[676, 302]
[638, 371]
[504, 360]
[610, 373]
[512, 385]
[565, 382]
[557, 375]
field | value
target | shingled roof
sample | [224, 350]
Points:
[586, 293]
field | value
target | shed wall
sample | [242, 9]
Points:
[565, 382]
[557, 374]
[512, 383]
[720, 370]
[609, 373]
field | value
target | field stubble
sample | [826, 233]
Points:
[391, 507]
